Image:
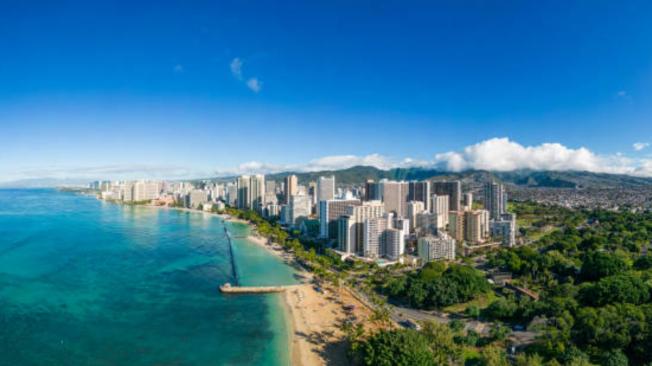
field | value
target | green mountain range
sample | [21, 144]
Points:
[529, 178]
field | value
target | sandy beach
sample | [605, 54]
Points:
[315, 317]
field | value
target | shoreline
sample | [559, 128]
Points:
[312, 316]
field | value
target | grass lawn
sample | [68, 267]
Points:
[481, 302]
[470, 355]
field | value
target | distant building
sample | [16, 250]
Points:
[351, 225]
[146, 191]
[433, 247]
[256, 192]
[413, 209]
[440, 206]
[428, 223]
[329, 213]
[456, 225]
[374, 236]
[420, 191]
[325, 188]
[198, 197]
[251, 192]
[468, 201]
[272, 210]
[505, 229]
[291, 187]
[299, 209]
[231, 193]
[452, 189]
[243, 192]
[495, 200]
[395, 197]
[127, 191]
[394, 243]
[476, 226]
[372, 191]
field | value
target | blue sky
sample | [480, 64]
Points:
[172, 88]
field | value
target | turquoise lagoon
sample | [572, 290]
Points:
[84, 282]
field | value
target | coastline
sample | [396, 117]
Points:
[312, 316]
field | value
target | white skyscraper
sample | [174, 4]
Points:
[434, 247]
[351, 225]
[440, 206]
[325, 188]
[146, 191]
[299, 208]
[413, 209]
[394, 243]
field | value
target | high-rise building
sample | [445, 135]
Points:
[312, 192]
[428, 223]
[395, 197]
[256, 192]
[420, 191]
[394, 243]
[127, 191]
[231, 192]
[325, 188]
[452, 189]
[476, 226]
[291, 187]
[374, 236]
[456, 225]
[351, 239]
[270, 186]
[147, 191]
[505, 229]
[299, 208]
[413, 209]
[495, 200]
[198, 197]
[440, 206]
[243, 192]
[434, 247]
[329, 213]
[467, 202]
[372, 191]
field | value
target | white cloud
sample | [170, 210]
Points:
[236, 68]
[254, 84]
[333, 162]
[501, 154]
[496, 154]
[638, 146]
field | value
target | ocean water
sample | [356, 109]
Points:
[84, 282]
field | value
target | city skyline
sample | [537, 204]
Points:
[135, 91]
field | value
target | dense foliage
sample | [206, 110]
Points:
[437, 285]
[595, 284]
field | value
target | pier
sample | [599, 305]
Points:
[233, 267]
[228, 289]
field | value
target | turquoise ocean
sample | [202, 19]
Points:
[85, 282]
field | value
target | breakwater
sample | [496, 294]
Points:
[233, 265]
[227, 288]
